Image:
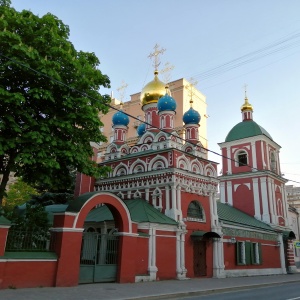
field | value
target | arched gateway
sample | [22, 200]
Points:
[98, 256]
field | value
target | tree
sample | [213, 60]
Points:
[49, 100]
[18, 193]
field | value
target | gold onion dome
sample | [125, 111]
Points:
[246, 105]
[153, 90]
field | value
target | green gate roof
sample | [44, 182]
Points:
[140, 211]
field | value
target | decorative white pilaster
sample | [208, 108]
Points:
[257, 213]
[213, 209]
[147, 194]
[172, 212]
[152, 269]
[229, 193]
[284, 204]
[180, 255]
[218, 258]
[271, 201]
[254, 159]
[179, 212]
[264, 198]
[229, 161]
[222, 192]
[282, 257]
[167, 189]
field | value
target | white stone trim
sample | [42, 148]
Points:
[254, 272]
[229, 193]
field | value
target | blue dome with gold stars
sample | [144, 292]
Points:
[119, 118]
[191, 117]
[166, 103]
[141, 129]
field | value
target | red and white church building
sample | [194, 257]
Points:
[156, 215]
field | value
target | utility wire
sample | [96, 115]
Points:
[119, 110]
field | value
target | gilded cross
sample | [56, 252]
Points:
[121, 90]
[156, 54]
[191, 88]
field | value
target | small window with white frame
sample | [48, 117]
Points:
[242, 158]
[248, 253]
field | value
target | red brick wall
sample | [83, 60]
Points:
[27, 274]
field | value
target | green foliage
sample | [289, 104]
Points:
[52, 198]
[19, 192]
[46, 127]
[34, 219]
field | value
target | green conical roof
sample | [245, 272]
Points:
[246, 129]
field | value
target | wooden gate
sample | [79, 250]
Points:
[98, 259]
[199, 258]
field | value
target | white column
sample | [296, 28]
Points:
[271, 201]
[152, 269]
[178, 267]
[264, 198]
[218, 259]
[284, 204]
[213, 213]
[282, 257]
[222, 192]
[254, 159]
[274, 203]
[179, 212]
[167, 197]
[229, 162]
[263, 154]
[147, 194]
[229, 193]
[257, 213]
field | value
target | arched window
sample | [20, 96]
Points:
[273, 162]
[195, 212]
[242, 158]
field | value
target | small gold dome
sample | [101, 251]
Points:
[246, 105]
[153, 91]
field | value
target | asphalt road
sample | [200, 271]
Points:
[285, 291]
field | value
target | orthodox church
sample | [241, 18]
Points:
[155, 216]
[169, 188]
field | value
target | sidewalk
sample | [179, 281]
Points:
[145, 290]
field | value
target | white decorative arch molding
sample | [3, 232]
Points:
[135, 166]
[134, 149]
[159, 136]
[183, 163]
[157, 159]
[210, 171]
[147, 137]
[117, 171]
[196, 164]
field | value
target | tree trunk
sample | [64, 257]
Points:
[6, 171]
[3, 184]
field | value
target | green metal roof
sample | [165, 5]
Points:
[140, 211]
[231, 215]
[246, 129]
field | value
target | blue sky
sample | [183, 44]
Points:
[200, 36]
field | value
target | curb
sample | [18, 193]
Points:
[207, 292]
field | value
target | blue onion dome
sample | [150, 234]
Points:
[119, 118]
[191, 117]
[141, 129]
[166, 103]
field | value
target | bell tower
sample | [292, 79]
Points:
[251, 178]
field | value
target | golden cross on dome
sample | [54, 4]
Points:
[191, 88]
[245, 87]
[156, 54]
[122, 90]
[167, 72]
